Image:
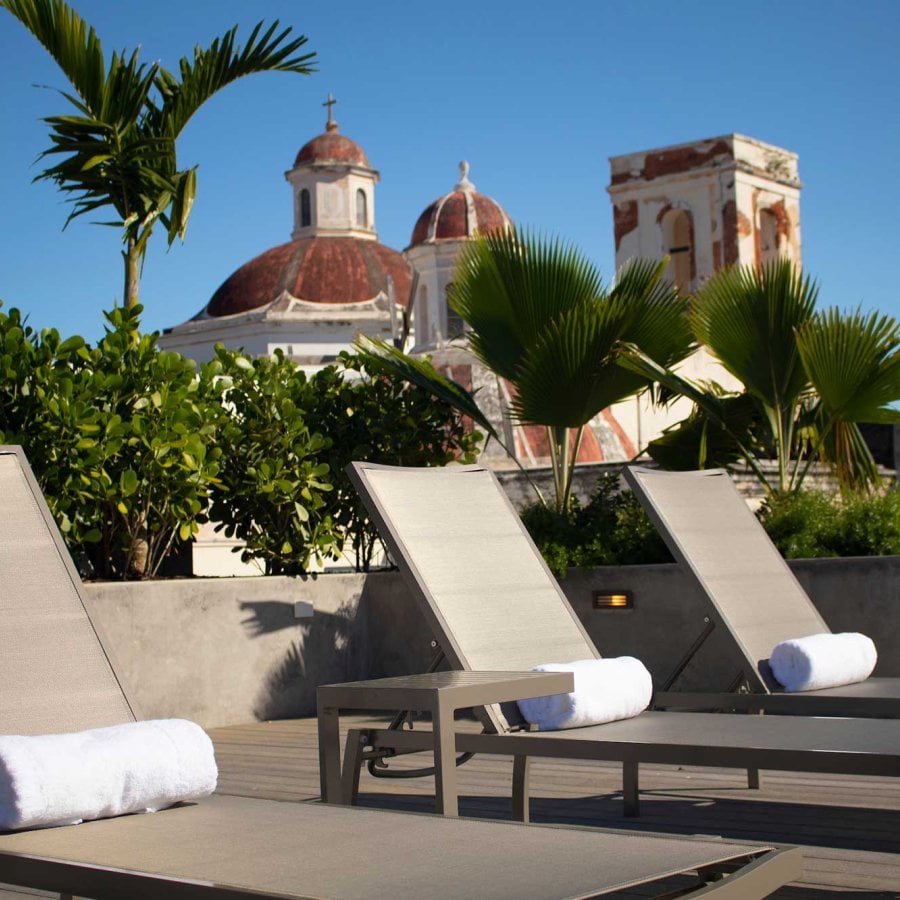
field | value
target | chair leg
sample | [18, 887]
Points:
[521, 788]
[353, 750]
[631, 788]
[753, 781]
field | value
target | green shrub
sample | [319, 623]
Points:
[870, 526]
[379, 419]
[133, 448]
[274, 476]
[611, 529]
[813, 524]
[120, 436]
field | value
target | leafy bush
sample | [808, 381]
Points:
[271, 491]
[611, 529]
[133, 448]
[121, 438]
[283, 490]
[813, 524]
[380, 419]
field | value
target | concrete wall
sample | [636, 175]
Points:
[860, 594]
[222, 651]
[230, 650]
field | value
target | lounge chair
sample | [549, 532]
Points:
[752, 593]
[493, 605]
[55, 676]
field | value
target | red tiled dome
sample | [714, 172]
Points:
[320, 270]
[331, 147]
[457, 215]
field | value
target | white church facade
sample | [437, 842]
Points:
[705, 204]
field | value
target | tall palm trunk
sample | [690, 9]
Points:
[132, 260]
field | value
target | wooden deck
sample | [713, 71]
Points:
[849, 827]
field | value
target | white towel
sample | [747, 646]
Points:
[605, 690]
[62, 779]
[823, 661]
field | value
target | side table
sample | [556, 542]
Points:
[439, 693]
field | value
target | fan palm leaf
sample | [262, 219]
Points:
[509, 286]
[747, 317]
[570, 373]
[853, 362]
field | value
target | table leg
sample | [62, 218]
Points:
[329, 755]
[446, 801]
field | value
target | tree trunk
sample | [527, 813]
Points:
[132, 273]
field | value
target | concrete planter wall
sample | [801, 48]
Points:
[854, 594]
[223, 651]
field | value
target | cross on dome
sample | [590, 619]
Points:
[331, 124]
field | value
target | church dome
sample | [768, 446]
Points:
[332, 147]
[318, 270]
[458, 215]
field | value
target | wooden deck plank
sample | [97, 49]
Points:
[849, 827]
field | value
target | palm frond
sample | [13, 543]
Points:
[854, 363]
[384, 358]
[223, 62]
[568, 375]
[747, 317]
[700, 442]
[71, 42]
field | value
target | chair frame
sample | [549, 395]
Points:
[755, 742]
[757, 690]
[111, 858]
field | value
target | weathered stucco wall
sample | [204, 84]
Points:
[230, 650]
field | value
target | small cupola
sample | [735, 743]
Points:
[333, 185]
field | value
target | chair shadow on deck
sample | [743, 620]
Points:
[669, 812]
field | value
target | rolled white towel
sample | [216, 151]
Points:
[62, 779]
[605, 690]
[823, 661]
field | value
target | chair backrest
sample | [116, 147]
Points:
[712, 532]
[54, 673]
[484, 589]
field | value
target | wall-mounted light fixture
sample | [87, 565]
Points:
[613, 600]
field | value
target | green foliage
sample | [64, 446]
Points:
[117, 150]
[611, 529]
[801, 525]
[274, 478]
[283, 490]
[121, 437]
[812, 524]
[538, 315]
[134, 449]
[368, 416]
[809, 379]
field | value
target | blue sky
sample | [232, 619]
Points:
[536, 96]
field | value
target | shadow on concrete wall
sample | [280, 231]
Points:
[267, 616]
[328, 650]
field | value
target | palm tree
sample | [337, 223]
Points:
[808, 379]
[117, 149]
[853, 362]
[538, 315]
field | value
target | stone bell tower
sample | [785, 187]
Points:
[707, 205]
